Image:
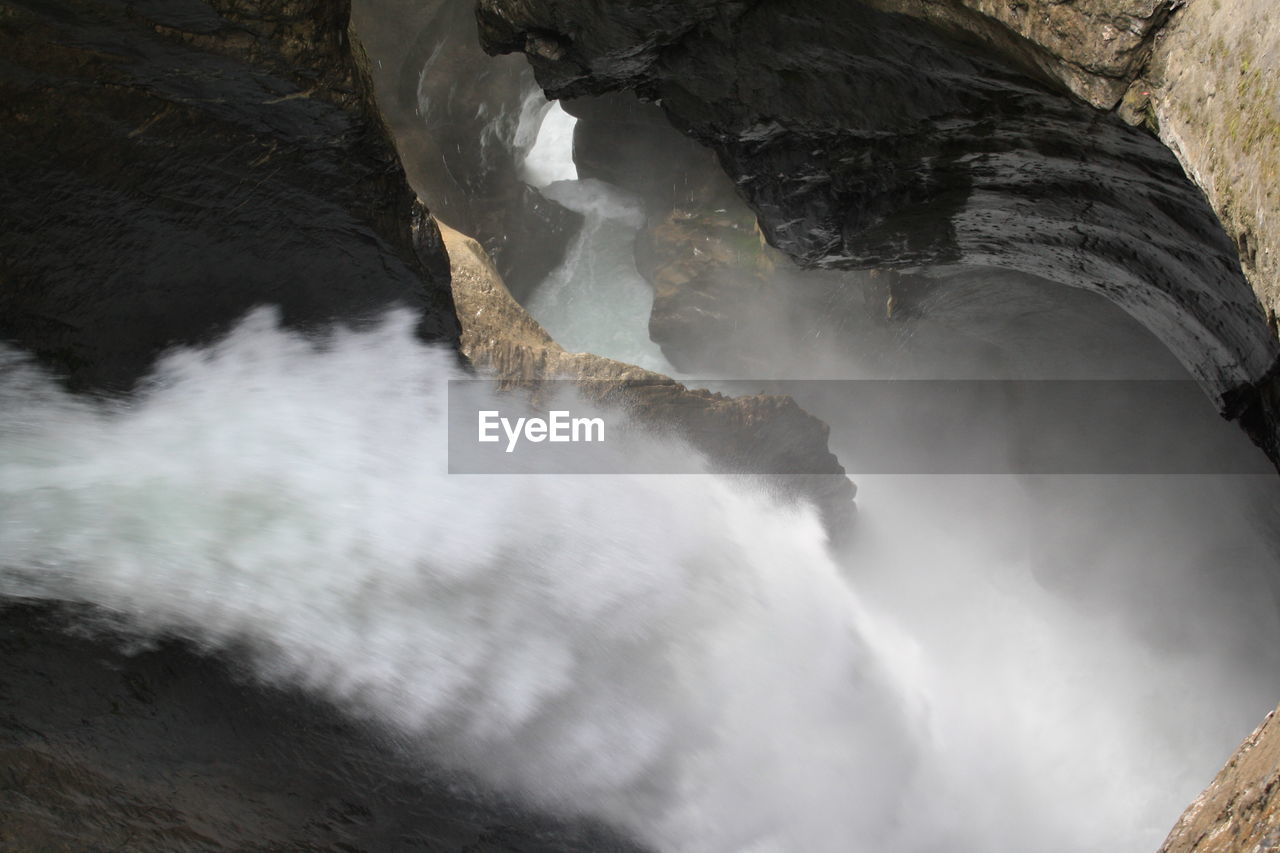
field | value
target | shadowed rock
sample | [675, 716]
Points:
[165, 749]
[462, 121]
[169, 165]
[866, 139]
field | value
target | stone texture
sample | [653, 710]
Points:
[456, 115]
[725, 302]
[1212, 92]
[1093, 47]
[1215, 99]
[934, 156]
[166, 166]
[106, 745]
[757, 434]
[1240, 811]
[864, 139]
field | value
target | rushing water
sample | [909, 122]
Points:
[1086, 650]
[661, 652]
[673, 655]
[991, 664]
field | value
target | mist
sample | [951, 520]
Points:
[1088, 647]
[985, 663]
[658, 652]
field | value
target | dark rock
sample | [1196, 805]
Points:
[865, 139]
[631, 145]
[168, 166]
[456, 116]
[159, 748]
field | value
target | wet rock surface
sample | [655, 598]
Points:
[720, 290]
[865, 139]
[760, 433]
[168, 166]
[462, 120]
[907, 150]
[106, 744]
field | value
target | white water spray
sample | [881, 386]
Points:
[596, 301]
[668, 654]
[665, 653]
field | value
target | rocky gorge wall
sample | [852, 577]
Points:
[871, 138]
[462, 124]
[748, 434]
[1239, 811]
[458, 115]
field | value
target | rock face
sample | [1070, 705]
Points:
[167, 749]
[884, 132]
[1094, 47]
[1212, 92]
[725, 302]
[868, 139]
[757, 434]
[461, 121]
[169, 165]
[1240, 811]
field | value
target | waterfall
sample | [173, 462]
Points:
[667, 653]
[672, 654]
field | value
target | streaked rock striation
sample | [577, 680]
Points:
[870, 138]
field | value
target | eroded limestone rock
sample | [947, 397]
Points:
[1093, 47]
[1240, 811]
[751, 433]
